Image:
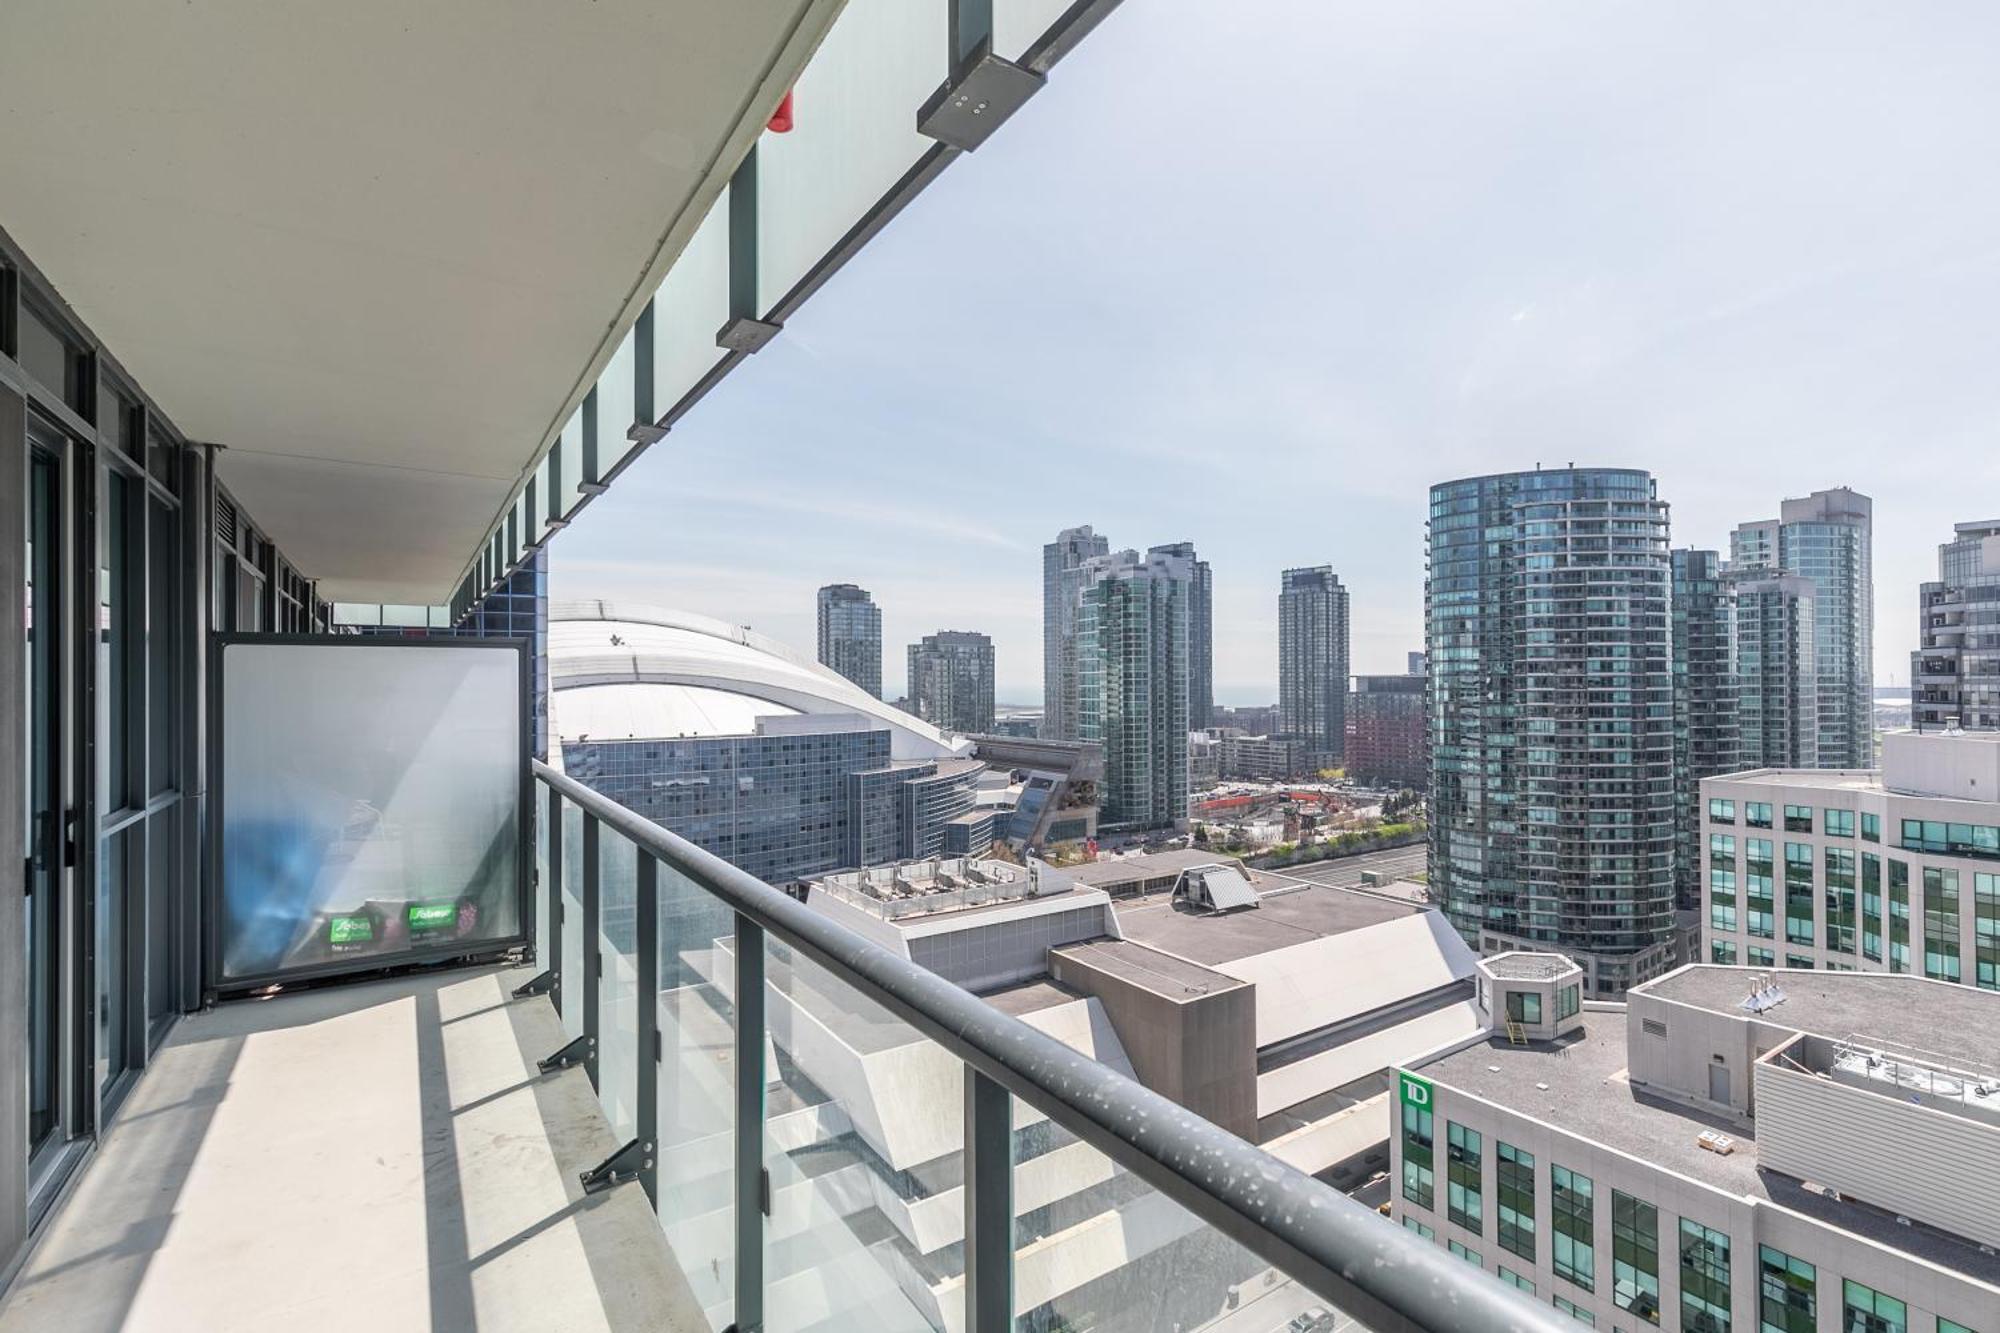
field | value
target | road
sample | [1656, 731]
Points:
[1395, 863]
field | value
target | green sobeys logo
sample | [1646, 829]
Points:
[1414, 1091]
[431, 916]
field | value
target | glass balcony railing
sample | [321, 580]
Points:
[833, 1137]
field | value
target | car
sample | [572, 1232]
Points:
[1312, 1321]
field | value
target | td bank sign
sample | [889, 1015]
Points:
[1414, 1091]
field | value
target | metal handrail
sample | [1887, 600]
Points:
[1378, 1272]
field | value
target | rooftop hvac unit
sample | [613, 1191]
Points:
[1720, 1144]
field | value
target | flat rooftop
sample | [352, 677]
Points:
[1279, 920]
[1528, 966]
[1164, 975]
[1580, 1085]
[1955, 1023]
[1823, 779]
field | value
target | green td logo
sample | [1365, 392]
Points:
[1415, 1091]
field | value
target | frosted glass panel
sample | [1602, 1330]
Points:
[691, 306]
[571, 457]
[371, 802]
[615, 388]
[854, 134]
[542, 498]
[1019, 24]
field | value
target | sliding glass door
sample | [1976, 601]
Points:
[49, 905]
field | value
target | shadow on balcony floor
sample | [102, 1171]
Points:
[377, 1157]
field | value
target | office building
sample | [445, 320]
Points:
[1418, 665]
[1132, 691]
[1385, 732]
[1201, 636]
[1955, 671]
[1827, 538]
[1777, 681]
[1705, 724]
[779, 766]
[1063, 563]
[1312, 659]
[1251, 720]
[1896, 870]
[850, 635]
[1551, 719]
[951, 681]
[1717, 1153]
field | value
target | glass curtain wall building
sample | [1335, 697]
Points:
[1132, 674]
[850, 635]
[951, 681]
[1548, 635]
[1955, 671]
[1313, 661]
[1827, 538]
[1062, 584]
[1201, 636]
[1705, 726]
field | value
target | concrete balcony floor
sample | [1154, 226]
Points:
[378, 1157]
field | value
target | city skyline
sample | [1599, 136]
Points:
[1745, 335]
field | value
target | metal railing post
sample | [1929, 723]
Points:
[593, 955]
[989, 1204]
[752, 1192]
[553, 963]
[647, 1061]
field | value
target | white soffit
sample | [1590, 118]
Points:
[375, 249]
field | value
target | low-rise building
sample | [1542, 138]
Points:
[1718, 1152]
[1266, 758]
[1890, 870]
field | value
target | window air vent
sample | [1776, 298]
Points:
[1653, 1027]
[225, 522]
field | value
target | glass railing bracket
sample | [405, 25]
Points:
[976, 101]
[619, 1167]
[743, 334]
[542, 983]
[575, 1053]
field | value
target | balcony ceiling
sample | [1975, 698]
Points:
[375, 249]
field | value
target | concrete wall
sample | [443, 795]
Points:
[1201, 1051]
[1931, 764]
[1676, 1065]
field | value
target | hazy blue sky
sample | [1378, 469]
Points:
[1255, 274]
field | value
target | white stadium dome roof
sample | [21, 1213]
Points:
[619, 671]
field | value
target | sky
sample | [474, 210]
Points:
[1257, 275]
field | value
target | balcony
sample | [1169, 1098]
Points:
[312, 347]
